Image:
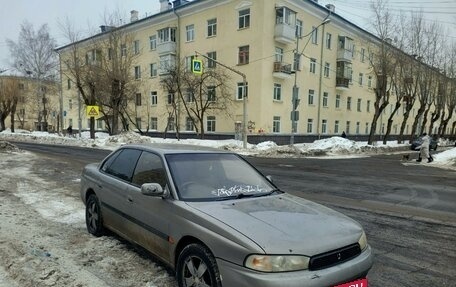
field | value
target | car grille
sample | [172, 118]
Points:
[334, 257]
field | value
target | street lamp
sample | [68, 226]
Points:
[295, 93]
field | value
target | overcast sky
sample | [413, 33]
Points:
[89, 13]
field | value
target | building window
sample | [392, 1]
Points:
[154, 123]
[349, 103]
[243, 55]
[136, 47]
[277, 92]
[358, 105]
[170, 99]
[328, 40]
[325, 99]
[110, 54]
[336, 127]
[357, 128]
[299, 27]
[153, 70]
[337, 101]
[360, 79]
[188, 63]
[213, 56]
[210, 123]
[362, 54]
[167, 35]
[326, 70]
[276, 124]
[311, 97]
[171, 125]
[324, 128]
[347, 127]
[241, 91]
[313, 65]
[153, 98]
[309, 126]
[137, 72]
[367, 129]
[138, 123]
[211, 96]
[153, 42]
[314, 35]
[350, 76]
[189, 124]
[189, 96]
[70, 104]
[368, 106]
[212, 27]
[244, 18]
[123, 50]
[278, 54]
[190, 29]
[369, 81]
[138, 99]
[21, 86]
[99, 124]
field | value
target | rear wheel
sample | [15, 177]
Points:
[196, 266]
[94, 219]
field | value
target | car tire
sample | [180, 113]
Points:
[193, 260]
[93, 216]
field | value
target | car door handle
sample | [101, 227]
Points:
[129, 199]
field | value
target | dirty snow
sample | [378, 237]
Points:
[330, 148]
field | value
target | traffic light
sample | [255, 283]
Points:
[295, 98]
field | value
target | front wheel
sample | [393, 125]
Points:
[196, 266]
[94, 219]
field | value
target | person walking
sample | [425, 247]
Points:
[70, 131]
[424, 148]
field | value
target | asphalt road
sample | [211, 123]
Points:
[408, 211]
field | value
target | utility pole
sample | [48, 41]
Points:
[244, 97]
[321, 76]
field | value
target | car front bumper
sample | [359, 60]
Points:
[235, 275]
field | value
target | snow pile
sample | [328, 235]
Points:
[7, 147]
[334, 147]
[446, 158]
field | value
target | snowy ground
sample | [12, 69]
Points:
[43, 241]
[335, 147]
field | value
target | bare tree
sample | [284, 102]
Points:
[383, 64]
[102, 69]
[450, 90]
[199, 94]
[9, 96]
[33, 54]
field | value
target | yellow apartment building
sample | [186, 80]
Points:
[37, 102]
[333, 78]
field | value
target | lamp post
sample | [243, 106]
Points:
[326, 21]
[295, 92]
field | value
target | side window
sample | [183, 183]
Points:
[123, 164]
[149, 170]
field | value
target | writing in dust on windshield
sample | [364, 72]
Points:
[237, 189]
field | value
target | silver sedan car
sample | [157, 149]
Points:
[217, 221]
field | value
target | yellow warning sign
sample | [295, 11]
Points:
[93, 111]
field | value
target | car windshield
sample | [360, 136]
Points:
[216, 176]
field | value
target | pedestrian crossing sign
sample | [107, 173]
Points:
[197, 66]
[93, 111]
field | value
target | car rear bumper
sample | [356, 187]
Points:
[235, 275]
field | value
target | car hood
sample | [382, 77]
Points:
[284, 223]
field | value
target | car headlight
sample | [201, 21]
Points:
[277, 263]
[362, 241]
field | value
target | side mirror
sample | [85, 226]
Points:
[152, 189]
[269, 177]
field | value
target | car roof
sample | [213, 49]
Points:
[165, 148]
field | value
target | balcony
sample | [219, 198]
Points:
[281, 70]
[284, 33]
[342, 83]
[344, 55]
[165, 48]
